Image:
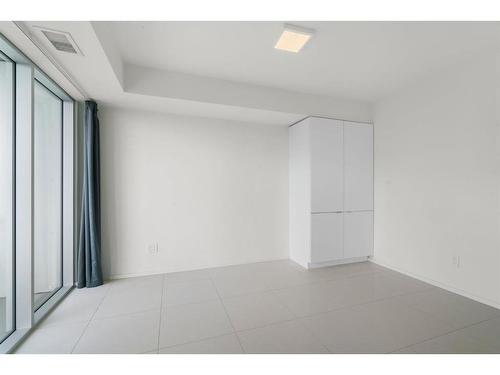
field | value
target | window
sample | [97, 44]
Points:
[36, 195]
[6, 197]
[47, 194]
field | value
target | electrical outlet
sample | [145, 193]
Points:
[456, 261]
[153, 248]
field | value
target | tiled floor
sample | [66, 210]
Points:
[271, 307]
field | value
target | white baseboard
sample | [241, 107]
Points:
[337, 262]
[134, 274]
[161, 272]
[438, 284]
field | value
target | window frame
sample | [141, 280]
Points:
[25, 74]
[13, 197]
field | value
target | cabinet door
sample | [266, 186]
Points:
[358, 234]
[358, 166]
[326, 165]
[326, 237]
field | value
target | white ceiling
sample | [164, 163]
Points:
[230, 70]
[356, 60]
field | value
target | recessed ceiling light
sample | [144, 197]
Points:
[293, 38]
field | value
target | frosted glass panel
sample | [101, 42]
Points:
[6, 199]
[47, 194]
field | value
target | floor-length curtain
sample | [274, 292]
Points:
[89, 270]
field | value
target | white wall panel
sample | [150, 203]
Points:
[437, 179]
[358, 166]
[209, 192]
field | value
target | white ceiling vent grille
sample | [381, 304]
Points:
[60, 40]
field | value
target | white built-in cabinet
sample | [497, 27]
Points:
[331, 191]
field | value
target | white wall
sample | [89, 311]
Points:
[210, 192]
[437, 179]
[265, 101]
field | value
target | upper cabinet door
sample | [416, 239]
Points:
[326, 165]
[358, 166]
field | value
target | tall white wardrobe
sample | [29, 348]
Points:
[331, 191]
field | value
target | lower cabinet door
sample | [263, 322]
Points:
[358, 234]
[326, 237]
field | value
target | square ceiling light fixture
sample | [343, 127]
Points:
[293, 38]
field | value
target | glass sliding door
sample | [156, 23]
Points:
[37, 194]
[7, 305]
[47, 200]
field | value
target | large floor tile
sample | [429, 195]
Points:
[187, 276]
[457, 342]
[457, 310]
[131, 296]
[57, 339]
[76, 307]
[377, 327]
[288, 278]
[406, 350]
[306, 299]
[256, 310]
[142, 282]
[132, 333]
[345, 270]
[227, 344]
[402, 325]
[193, 322]
[288, 337]
[291, 276]
[390, 284]
[238, 269]
[325, 296]
[100, 290]
[294, 275]
[232, 283]
[273, 267]
[343, 331]
[487, 332]
[180, 293]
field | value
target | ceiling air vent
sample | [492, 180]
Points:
[60, 40]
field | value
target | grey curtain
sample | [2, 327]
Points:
[88, 267]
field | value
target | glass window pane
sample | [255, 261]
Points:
[47, 194]
[6, 198]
